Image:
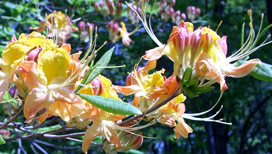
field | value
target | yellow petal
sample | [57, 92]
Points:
[54, 65]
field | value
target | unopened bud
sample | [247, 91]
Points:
[96, 6]
[197, 11]
[90, 27]
[81, 26]
[110, 6]
[171, 11]
[13, 91]
[177, 13]
[183, 16]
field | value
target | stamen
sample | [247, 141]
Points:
[146, 26]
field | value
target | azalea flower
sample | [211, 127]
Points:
[204, 51]
[103, 123]
[23, 47]
[49, 81]
[59, 26]
[45, 74]
[143, 85]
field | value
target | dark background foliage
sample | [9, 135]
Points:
[247, 102]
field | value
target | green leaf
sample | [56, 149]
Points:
[187, 76]
[98, 140]
[262, 72]
[47, 129]
[134, 151]
[111, 105]
[96, 69]
[2, 141]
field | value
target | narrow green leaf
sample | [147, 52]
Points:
[47, 129]
[2, 141]
[242, 34]
[134, 151]
[96, 69]
[111, 105]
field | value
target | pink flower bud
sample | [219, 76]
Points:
[177, 13]
[110, 25]
[197, 11]
[110, 6]
[171, 11]
[102, 4]
[116, 27]
[81, 26]
[90, 27]
[96, 6]
[183, 16]
[97, 86]
[33, 54]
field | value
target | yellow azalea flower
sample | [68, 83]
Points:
[124, 34]
[58, 18]
[50, 80]
[16, 52]
[143, 84]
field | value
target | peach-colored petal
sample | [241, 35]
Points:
[4, 83]
[111, 135]
[29, 74]
[41, 118]
[91, 133]
[67, 95]
[126, 90]
[243, 69]
[67, 47]
[154, 54]
[182, 129]
[151, 64]
[37, 99]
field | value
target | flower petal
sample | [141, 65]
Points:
[91, 133]
[243, 69]
[37, 99]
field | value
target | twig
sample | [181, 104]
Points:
[21, 146]
[151, 110]
[63, 136]
[40, 148]
[33, 149]
[57, 147]
[15, 125]
[43, 124]
[12, 119]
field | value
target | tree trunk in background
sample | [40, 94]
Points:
[269, 12]
[219, 6]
